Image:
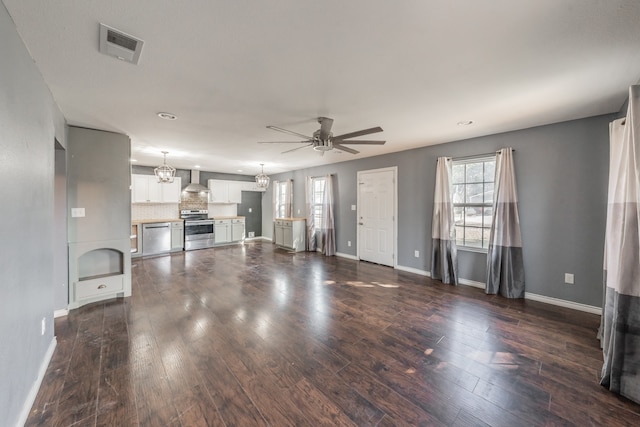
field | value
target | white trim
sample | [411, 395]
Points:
[33, 392]
[252, 239]
[413, 270]
[473, 283]
[564, 303]
[343, 255]
[60, 313]
[544, 299]
[393, 169]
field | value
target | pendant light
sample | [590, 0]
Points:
[165, 173]
[262, 180]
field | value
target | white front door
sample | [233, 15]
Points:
[376, 216]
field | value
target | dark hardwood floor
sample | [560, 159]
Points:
[251, 335]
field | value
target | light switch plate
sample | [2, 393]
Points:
[568, 278]
[353, 207]
[77, 212]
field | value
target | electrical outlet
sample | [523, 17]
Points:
[416, 254]
[250, 210]
[349, 243]
[353, 207]
[44, 325]
[298, 211]
[568, 278]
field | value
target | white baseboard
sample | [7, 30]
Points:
[33, 393]
[253, 239]
[473, 283]
[413, 270]
[343, 255]
[60, 313]
[564, 303]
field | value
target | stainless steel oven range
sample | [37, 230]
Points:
[198, 229]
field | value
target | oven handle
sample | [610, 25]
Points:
[188, 223]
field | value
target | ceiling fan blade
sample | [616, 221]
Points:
[297, 148]
[359, 133]
[284, 142]
[290, 132]
[325, 127]
[343, 148]
[360, 141]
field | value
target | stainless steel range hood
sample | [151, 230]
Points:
[195, 186]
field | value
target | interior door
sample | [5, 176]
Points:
[376, 223]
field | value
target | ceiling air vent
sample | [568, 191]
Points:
[121, 45]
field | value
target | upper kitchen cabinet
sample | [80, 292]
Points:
[221, 191]
[147, 189]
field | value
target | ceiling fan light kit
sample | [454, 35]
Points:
[164, 172]
[262, 180]
[323, 139]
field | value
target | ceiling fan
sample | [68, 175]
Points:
[323, 140]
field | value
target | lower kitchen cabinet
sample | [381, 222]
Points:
[228, 230]
[177, 236]
[290, 233]
[222, 231]
[237, 230]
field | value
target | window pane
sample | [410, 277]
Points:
[488, 192]
[473, 217]
[486, 234]
[457, 175]
[489, 171]
[474, 172]
[458, 216]
[458, 193]
[474, 193]
[459, 235]
[473, 237]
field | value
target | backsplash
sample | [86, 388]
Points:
[193, 201]
[154, 211]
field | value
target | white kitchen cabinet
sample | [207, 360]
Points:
[237, 229]
[235, 191]
[222, 231]
[147, 189]
[221, 191]
[177, 236]
[290, 233]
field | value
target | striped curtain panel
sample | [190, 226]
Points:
[620, 331]
[444, 255]
[505, 268]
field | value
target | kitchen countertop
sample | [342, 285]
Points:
[149, 221]
[292, 219]
[227, 217]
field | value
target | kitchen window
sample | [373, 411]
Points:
[283, 199]
[472, 186]
[317, 197]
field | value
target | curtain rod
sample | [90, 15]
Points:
[478, 156]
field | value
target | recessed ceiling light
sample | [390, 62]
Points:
[167, 116]
[197, 166]
[239, 170]
[132, 160]
[465, 123]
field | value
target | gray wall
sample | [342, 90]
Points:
[98, 180]
[561, 173]
[60, 253]
[30, 122]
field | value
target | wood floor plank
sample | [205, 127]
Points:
[250, 335]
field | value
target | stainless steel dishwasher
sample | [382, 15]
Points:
[156, 238]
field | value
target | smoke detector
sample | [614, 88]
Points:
[119, 44]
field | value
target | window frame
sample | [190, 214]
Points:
[317, 199]
[281, 197]
[484, 244]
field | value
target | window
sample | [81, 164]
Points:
[282, 199]
[472, 182]
[317, 197]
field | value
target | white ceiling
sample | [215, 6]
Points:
[416, 68]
